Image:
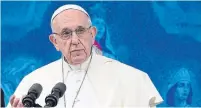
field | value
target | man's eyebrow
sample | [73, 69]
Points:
[80, 27]
[65, 29]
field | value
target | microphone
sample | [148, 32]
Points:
[2, 98]
[33, 93]
[56, 93]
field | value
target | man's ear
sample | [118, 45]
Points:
[93, 33]
[53, 40]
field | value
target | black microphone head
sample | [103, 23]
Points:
[33, 93]
[61, 87]
[35, 88]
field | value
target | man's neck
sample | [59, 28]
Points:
[81, 66]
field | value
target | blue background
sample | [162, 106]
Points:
[155, 37]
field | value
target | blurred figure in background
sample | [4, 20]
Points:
[96, 48]
[179, 89]
[103, 37]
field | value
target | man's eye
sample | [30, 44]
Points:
[66, 33]
[80, 30]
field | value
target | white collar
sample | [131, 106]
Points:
[82, 66]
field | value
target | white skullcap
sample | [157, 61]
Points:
[66, 7]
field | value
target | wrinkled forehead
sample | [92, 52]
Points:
[70, 18]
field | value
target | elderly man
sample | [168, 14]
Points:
[92, 80]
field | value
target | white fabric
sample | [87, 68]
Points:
[73, 80]
[73, 83]
[109, 84]
[82, 66]
[66, 7]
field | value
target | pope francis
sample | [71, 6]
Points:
[92, 80]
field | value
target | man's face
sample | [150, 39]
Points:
[77, 48]
[182, 90]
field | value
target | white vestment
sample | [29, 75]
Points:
[108, 84]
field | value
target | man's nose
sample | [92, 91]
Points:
[75, 38]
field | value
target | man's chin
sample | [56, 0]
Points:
[78, 60]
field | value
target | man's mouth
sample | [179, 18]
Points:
[75, 53]
[76, 50]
